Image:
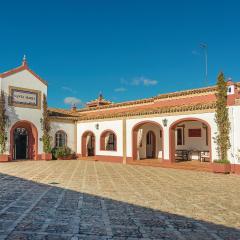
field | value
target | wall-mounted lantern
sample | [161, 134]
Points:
[97, 126]
[165, 122]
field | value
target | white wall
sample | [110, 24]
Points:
[24, 79]
[234, 116]
[115, 126]
[68, 128]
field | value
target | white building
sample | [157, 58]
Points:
[171, 127]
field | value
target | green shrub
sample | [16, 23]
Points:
[222, 119]
[61, 152]
[46, 128]
[222, 161]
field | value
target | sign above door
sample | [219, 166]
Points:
[23, 97]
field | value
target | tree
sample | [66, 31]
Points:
[46, 128]
[3, 123]
[222, 118]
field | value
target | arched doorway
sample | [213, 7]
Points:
[21, 137]
[88, 144]
[147, 141]
[24, 141]
[190, 139]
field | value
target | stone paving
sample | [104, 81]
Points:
[93, 200]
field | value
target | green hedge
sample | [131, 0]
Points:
[61, 152]
[222, 161]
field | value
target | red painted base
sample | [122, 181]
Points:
[221, 168]
[235, 168]
[46, 156]
[4, 158]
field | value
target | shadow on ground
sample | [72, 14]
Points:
[30, 210]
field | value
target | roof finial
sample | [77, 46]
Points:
[24, 61]
[100, 97]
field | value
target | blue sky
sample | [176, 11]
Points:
[127, 49]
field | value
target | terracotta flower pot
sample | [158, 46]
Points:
[46, 156]
[3, 158]
[221, 167]
[65, 158]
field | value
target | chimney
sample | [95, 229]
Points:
[74, 108]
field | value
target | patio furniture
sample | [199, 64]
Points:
[204, 156]
[182, 155]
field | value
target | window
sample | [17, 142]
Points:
[108, 141]
[180, 136]
[60, 139]
[149, 138]
[194, 132]
[111, 143]
[206, 136]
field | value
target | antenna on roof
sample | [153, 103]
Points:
[205, 49]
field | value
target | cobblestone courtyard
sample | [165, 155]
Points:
[93, 200]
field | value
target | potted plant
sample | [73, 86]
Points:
[221, 166]
[222, 120]
[3, 128]
[63, 153]
[46, 128]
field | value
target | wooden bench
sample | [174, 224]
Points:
[182, 155]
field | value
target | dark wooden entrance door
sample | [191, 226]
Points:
[20, 143]
[150, 145]
[90, 146]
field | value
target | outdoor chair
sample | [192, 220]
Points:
[204, 156]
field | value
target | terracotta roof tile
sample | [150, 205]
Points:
[165, 103]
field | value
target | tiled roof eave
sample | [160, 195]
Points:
[52, 118]
[206, 90]
[169, 110]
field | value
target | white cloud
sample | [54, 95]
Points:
[149, 82]
[141, 81]
[194, 52]
[120, 89]
[68, 89]
[72, 101]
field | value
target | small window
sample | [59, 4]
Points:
[60, 139]
[180, 136]
[206, 135]
[230, 90]
[111, 143]
[108, 141]
[195, 132]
